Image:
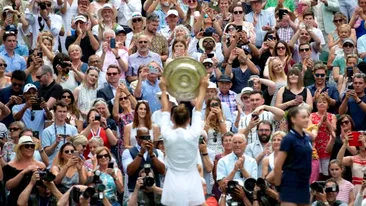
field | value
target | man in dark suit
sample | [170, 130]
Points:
[109, 91]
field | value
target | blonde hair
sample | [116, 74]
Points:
[103, 148]
[72, 46]
[78, 140]
[45, 35]
[346, 27]
[272, 75]
[278, 133]
[98, 140]
[20, 124]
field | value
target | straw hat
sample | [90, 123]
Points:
[23, 141]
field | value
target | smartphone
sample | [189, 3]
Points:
[37, 105]
[210, 55]
[122, 81]
[216, 104]
[153, 70]
[270, 37]
[207, 33]
[364, 176]
[350, 87]
[97, 118]
[40, 54]
[63, 135]
[75, 154]
[349, 73]
[113, 43]
[110, 165]
[239, 28]
[35, 134]
[325, 89]
[354, 141]
[281, 13]
[255, 116]
[250, 83]
[201, 140]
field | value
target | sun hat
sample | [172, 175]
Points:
[23, 141]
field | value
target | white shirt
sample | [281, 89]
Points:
[125, 10]
[254, 150]
[244, 122]
[227, 164]
[56, 25]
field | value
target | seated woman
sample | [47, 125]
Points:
[111, 177]
[68, 168]
[17, 173]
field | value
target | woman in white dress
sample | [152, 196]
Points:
[182, 186]
[87, 91]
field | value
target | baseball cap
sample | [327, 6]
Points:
[172, 12]
[245, 90]
[348, 40]
[11, 27]
[80, 18]
[120, 30]
[224, 78]
[29, 86]
[208, 60]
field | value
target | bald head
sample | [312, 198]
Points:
[142, 131]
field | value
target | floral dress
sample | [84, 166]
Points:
[323, 137]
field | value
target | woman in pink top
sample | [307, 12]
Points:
[356, 162]
[345, 193]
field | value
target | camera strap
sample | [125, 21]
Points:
[95, 134]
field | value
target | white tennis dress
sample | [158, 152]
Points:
[182, 185]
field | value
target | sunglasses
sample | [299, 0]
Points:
[142, 42]
[49, 5]
[320, 75]
[112, 73]
[191, 1]
[3, 65]
[69, 151]
[66, 97]
[208, 65]
[281, 48]
[345, 122]
[123, 98]
[245, 97]
[10, 32]
[40, 76]
[136, 20]
[303, 50]
[101, 156]
[14, 129]
[29, 146]
[17, 85]
[238, 12]
[338, 20]
[348, 45]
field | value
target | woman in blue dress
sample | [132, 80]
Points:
[293, 163]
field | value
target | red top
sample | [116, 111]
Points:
[323, 137]
[102, 133]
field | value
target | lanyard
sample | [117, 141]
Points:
[63, 133]
[95, 134]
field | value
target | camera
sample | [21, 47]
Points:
[75, 194]
[97, 118]
[350, 86]
[147, 138]
[317, 186]
[37, 105]
[42, 5]
[147, 180]
[281, 13]
[46, 175]
[231, 185]
[65, 64]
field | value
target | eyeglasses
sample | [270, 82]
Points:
[338, 20]
[3, 65]
[264, 130]
[40, 76]
[123, 98]
[29, 146]
[14, 129]
[69, 151]
[94, 62]
[238, 12]
[101, 156]
[142, 42]
[136, 20]
[345, 122]
[112, 73]
[281, 48]
[348, 45]
[207, 65]
[303, 50]
[17, 85]
[66, 97]
[320, 75]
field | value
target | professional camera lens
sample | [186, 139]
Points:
[148, 181]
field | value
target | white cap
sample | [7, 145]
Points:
[245, 90]
[80, 18]
[8, 8]
[208, 60]
[172, 11]
[29, 86]
[211, 85]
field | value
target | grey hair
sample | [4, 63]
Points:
[108, 31]
[47, 69]
[98, 140]
[241, 136]
[182, 27]
[101, 101]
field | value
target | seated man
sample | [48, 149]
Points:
[236, 165]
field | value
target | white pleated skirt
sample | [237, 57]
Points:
[182, 188]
